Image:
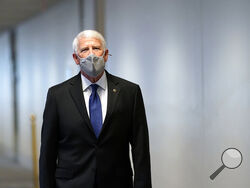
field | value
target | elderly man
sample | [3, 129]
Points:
[89, 122]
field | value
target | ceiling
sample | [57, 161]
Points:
[13, 12]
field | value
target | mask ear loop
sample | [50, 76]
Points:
[108, 54]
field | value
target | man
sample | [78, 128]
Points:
[89, 122]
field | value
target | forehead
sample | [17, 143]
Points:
[89, 41]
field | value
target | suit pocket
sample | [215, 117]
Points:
[64, 173]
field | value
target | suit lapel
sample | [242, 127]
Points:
[113, 92]
[78, 98]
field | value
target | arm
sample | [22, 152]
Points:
[48, 152]
[140, 145]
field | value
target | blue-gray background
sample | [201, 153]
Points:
[190, 57]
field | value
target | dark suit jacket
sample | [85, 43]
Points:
[72, 157]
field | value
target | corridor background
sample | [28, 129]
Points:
[190, 57]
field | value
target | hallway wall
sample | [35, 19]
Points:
[226, 59]
[44, 57]
[158, 45]
[6, 92]
[191, 59]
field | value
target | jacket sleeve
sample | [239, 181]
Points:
[140, 144]
[48, 150]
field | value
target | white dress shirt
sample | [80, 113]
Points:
[102, 91]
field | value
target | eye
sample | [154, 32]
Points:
[96, 48]
[84, 50]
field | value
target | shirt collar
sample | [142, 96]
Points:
[102, 82]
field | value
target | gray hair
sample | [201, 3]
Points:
[88, 34]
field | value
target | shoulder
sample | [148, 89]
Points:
[127, 87]
[58, 88]
[122, 82]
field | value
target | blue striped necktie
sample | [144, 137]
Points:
[95, 110]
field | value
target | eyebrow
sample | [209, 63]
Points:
[86, 47]
[96, 46]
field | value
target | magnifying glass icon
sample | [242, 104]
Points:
[231, 158]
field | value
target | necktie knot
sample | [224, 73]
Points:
[94, 87]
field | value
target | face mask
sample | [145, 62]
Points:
[92, 65]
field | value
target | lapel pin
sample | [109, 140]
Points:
[114, 90]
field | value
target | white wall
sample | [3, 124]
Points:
[191, 59]
[158, 46]
[226, 39]
[6, 111]
[44, 58]
[89, 17]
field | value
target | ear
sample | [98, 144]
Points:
[76, 59]
[106, 55]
